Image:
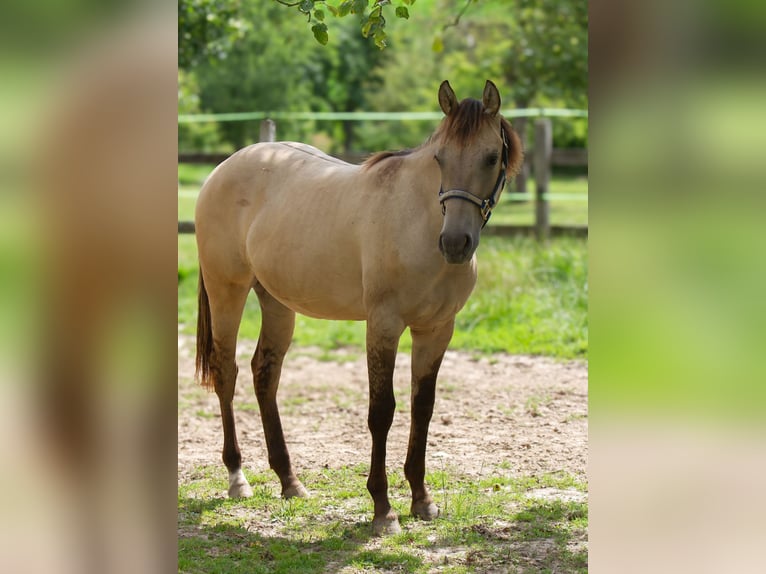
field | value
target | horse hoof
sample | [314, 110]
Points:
[238, 485]
[240, 491]
[425, 510]
[295, 491]
[386, 525]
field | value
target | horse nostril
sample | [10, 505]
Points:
[468, 244]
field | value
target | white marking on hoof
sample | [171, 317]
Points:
[238, 485]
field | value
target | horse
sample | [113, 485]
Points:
[391, 242]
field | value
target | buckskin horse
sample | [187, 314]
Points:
[391, 242]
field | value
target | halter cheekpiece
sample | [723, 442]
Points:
[485, 205]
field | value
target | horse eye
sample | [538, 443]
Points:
[436, 157]
[492, 159]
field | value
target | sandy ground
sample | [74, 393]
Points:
[527, 415]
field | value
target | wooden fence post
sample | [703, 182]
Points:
[268, 131]
[542, 167]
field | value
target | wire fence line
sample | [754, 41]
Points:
[370, 116]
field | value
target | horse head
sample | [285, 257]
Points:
[476, 149]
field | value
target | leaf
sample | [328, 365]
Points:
[380, 38]
[333, 10]
[306, 6]
[319, 15]
[366, 27]
[402, 12]
[344, 8]
[320, 33]
[372, 23]
[358, 6]
[438, 44]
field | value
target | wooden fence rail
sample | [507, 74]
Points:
[542, 159]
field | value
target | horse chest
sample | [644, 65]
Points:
[424, 295]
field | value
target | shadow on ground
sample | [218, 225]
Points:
[539, 537]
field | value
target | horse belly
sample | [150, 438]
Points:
[322, 301]
[307, 275]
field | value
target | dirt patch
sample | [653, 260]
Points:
[524, 415]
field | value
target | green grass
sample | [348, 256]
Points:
[193, 174]
[493, 524]
[570, 208]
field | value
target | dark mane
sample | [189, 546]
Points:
[381, 155]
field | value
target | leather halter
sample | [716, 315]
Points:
[485, 205]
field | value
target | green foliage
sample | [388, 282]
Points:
[535, 51]
[548, 45]
[206, 29]
[274, 67]
[278, 67]
[370, 13]
[198, 137]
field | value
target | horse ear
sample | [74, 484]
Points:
[447, 98]
[491, 99]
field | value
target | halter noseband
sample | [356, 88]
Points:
[485, 205]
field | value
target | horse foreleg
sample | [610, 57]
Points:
[278, 323]
[428, 347]
[382, 341]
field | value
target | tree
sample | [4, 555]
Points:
[536, 51]
[548, 56]
[206, 29]
[272, 68]
[197, 137]
[538, 47]
[348, 77]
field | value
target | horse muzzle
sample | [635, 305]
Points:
[456, 246]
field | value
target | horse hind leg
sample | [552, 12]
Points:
[428, 347]
[277, 325]
[221, 306]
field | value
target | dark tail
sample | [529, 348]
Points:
[204, 337]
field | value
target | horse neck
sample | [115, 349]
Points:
[423, 169]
